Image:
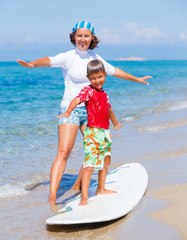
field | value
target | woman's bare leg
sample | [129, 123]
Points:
[77, 184]
[66, 138]
[86, 175]
[102, 178]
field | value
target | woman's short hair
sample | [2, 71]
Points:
[93, 43]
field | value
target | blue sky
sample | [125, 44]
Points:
[151, 29]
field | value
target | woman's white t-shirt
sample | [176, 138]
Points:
[74, 67]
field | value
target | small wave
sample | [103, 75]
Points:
[152, 129]
[130, 118]
[178, 106]
[13, 190]
[163, 126]
[10, 190]
[36, 182]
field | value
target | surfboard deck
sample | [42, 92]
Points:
[129, 180]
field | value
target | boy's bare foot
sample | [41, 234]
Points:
[104, 191]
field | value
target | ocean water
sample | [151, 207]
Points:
[29, 104]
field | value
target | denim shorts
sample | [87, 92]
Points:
[78, 116]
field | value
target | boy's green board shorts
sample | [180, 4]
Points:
[97, 144]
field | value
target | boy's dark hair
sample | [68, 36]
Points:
[95, 66]
[93, 43]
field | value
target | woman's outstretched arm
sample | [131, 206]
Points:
[42, 62]
[123, 75]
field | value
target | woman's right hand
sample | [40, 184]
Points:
[25, 64]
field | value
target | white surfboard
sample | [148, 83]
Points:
[129, 180]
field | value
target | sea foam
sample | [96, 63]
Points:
[20, 188]
[163, 126]
[10, 190]
[178, 106]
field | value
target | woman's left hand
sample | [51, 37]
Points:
[126, 76]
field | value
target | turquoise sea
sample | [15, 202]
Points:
[154, 119]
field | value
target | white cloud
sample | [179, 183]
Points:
[183, 36]
[133, 33]
[110, 36]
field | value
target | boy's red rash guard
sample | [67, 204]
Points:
[97, 104]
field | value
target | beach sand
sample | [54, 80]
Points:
[160, 214]
[174, 214]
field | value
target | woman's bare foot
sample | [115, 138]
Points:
[76, 187]
[83, 202]
[52, 201]
[104, 191]
[77, 183]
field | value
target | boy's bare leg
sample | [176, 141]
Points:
[102, 178]
[77, 184]
[87, 172]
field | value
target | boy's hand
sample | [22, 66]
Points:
[63, 115]
[117, 126]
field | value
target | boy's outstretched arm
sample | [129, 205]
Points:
[115, 122]
[71, 107]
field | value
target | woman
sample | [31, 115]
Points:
[73, 64]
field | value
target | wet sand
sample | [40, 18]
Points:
[174, 214]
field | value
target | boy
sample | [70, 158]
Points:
[97, 138]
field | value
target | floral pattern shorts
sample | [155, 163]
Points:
[97, 144]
